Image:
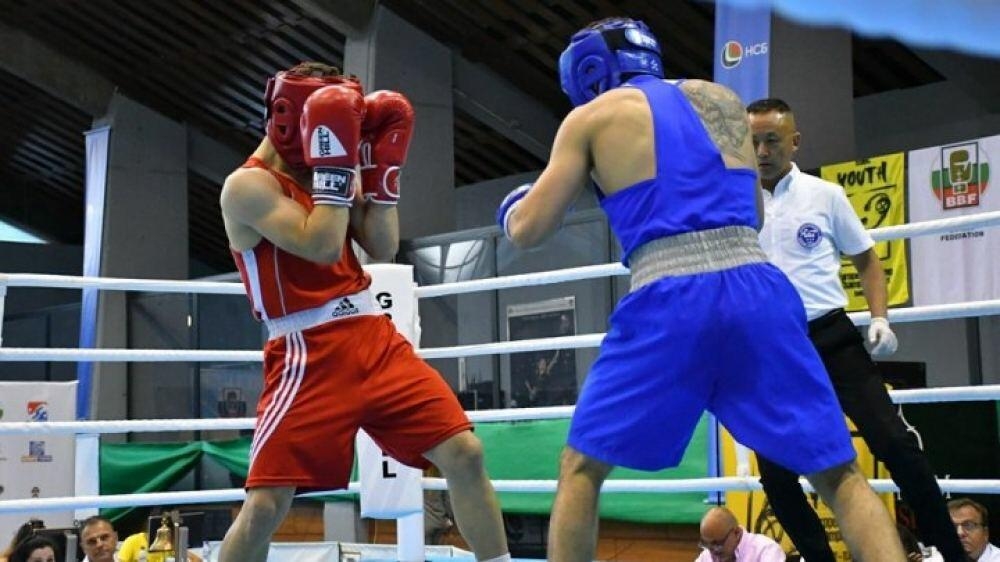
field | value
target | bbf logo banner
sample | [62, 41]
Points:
[948, 181]
[961, 176]
[742, 45]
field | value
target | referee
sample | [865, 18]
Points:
[808, 224]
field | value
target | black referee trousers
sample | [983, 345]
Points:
[864, 398]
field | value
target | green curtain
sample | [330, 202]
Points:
[139, 468]
[526, 450]
[234, 455]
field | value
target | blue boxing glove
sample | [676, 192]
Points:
[508, 205]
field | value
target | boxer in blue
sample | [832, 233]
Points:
[708, 323]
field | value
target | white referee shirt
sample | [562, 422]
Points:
[990, 554]
[808, 223]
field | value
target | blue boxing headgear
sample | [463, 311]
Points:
[598, 57]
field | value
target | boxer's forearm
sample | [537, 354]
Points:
[378, 232]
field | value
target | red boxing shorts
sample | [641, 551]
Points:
[323, 383]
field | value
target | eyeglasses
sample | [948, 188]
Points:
[716, 545]
[969, 526]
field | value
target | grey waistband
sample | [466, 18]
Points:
[695, 252]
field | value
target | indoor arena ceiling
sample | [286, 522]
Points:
[203, 63]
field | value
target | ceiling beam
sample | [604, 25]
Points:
[478, 91]
[80, 86]
[350, 18]
[35, 62]
[503, 107]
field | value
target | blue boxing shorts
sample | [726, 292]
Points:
[733, 342]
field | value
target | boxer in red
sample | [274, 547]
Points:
[333, 363]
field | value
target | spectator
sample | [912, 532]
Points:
[971, 520]
[98, 540]
[724, 540]
[22, 534]
[36, 549]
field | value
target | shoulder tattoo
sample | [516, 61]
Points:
[723, 115]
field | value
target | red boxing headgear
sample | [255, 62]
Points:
[283, 100]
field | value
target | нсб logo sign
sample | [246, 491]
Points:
[733, 52]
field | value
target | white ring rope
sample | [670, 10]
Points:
[518, 346]
[728, 483]
[55, 354]
[923, 228]
[522, 280]
[124, 426]
[723, 484]
[153, 498]
[899, 315]
[946, 394]
[937, 226]
[934, 312]
[35, 280]
[911, 396]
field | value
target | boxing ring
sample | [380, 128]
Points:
[87, 433]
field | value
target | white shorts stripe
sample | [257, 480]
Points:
[293, 373]
[291, 378]
[269, 411]
[285, 395]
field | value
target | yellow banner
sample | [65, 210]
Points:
[876, 189]
[756, 515]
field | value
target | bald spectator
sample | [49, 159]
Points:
[971, 520]
[724, 540]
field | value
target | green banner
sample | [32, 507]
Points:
[530, 451]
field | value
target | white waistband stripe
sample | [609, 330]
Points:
[359, 304]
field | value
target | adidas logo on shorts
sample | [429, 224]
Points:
[344, 308]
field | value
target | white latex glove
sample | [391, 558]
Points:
[881, 338]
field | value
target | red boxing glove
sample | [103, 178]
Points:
[385, 138]
[331, 130]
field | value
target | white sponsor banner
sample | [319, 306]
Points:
[36, 466]
[948, 181]
[393, 287]
[390, 489]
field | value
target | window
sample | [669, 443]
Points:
[11, 233]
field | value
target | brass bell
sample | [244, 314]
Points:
[164, 538]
